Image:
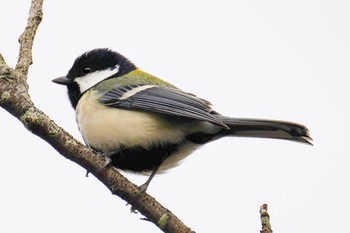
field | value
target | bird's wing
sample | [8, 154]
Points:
[164, 100]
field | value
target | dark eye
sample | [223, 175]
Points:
[86, 70]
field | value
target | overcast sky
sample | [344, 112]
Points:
[286, 60]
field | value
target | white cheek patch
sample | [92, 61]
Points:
[90, 80]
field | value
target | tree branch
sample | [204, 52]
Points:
[26, 40]
[265, 220]
[14, 98]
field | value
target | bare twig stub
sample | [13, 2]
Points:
[15, 99]
[26, 40]
[265, 219]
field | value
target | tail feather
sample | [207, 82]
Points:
[245, 127]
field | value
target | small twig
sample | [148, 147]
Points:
[265, 219]
[2, 60]
[5, 70]
[27, 38]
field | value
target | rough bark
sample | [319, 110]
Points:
[15, 98]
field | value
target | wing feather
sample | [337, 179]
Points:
[163, 100]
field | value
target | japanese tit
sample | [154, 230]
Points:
[145, 124]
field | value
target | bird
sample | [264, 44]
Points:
[143, 124]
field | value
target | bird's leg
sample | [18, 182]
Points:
[108, 161]
[144, 186]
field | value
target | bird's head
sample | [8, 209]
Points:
[91, 68]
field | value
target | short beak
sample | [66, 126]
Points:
[62, 80]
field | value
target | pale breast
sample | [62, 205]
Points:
[106, 128]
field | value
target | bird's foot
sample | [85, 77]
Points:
[108, 161]
[142, 189]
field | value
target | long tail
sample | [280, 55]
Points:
[245, 127]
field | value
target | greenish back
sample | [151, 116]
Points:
[133, 78]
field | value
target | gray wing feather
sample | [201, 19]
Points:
[164, 100]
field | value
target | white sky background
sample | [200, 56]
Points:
[285, 60]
